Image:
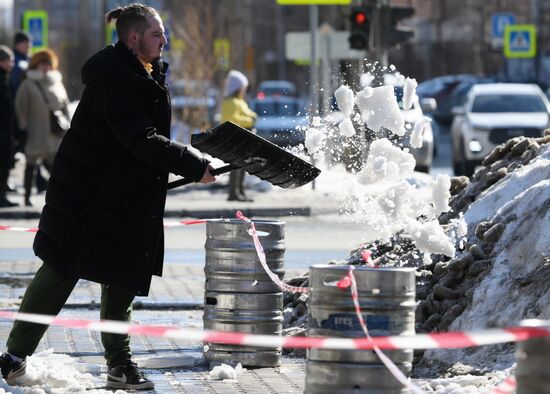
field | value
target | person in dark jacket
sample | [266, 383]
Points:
[7, 124]
[103, 218]
[21, 46]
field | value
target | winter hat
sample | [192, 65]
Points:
[46, 56]
[235, 81]
[5, 53]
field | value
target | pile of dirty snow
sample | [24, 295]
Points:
[500, 273]
[481, 247]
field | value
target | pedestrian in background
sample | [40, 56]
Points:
[235, 109]
[22, 44]
[7, 124]
[40, 93]
[103, 218]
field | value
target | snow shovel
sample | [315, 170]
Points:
[257, 156]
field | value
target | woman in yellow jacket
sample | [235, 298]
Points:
[235, 109]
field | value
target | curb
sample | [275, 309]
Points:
[18, 214]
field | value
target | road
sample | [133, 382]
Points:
[309, 240]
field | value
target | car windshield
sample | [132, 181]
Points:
[278, 108]
[276, 91]
[494, 103]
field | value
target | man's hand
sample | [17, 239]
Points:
[208, 177]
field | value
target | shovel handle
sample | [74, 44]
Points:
[215, 171]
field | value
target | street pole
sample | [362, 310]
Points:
[326, 92]
[281, 60]
[314, 67]
[535, 15]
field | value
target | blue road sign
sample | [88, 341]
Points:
[520, 41]
[499, 22]
[35, 22]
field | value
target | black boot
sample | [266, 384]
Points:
[27, 183]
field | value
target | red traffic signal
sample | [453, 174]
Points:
[359, 32]
[359, 17]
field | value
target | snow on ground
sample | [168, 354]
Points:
[54, 373]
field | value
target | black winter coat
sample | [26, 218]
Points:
[103, 218]
[7, 122]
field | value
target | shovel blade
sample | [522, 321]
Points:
[257, 156]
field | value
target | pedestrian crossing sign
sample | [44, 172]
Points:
[35, 22]
[520, 41]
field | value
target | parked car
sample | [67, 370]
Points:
[441, 89]
[492, 114]
[280, 120]
[276, 88]
[423, 155]
[459, 93]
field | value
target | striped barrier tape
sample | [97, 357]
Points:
[349, 281]
[167, 224]
[448, 340]
[261, 256]
[19, 229]
[507, 387]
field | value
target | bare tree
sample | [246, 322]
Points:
[194, 64]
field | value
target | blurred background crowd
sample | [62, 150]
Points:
[450, 47]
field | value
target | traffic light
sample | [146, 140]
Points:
[399, 34]
[359, 32]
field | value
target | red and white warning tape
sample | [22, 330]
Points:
[349, 281]
[507, 387]
[261, 256]
[421, 341]
[19, 229]
[167, 224]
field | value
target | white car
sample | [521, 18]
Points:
[492, 114]
[423, 155]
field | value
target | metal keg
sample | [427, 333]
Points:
[232, 263]
[533, 357]
[239, 295]
[387, 299]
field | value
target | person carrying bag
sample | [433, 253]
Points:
[41, 106]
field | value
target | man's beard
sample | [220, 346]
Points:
[143, 49]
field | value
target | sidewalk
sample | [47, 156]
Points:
[176, 366]
[210, 201]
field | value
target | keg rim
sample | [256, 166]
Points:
[360, 268]
[239, 221]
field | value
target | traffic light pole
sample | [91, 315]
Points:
[380, 21]
[314, 67]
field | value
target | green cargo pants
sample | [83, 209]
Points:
[47, 293]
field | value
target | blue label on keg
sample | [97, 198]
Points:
[350, 322]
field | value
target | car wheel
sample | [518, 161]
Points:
[425, 169]
[469, 167]
[458, 161]
[457, 168]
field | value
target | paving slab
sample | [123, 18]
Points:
[174, 365]
[180, 287]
